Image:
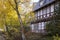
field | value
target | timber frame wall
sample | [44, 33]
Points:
[43, 14]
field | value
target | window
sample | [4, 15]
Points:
[32, 27]
[38, 14]
[47, 0]
[52, 8]
[48, 11]
[41, 13]
[43, 25]
[44, 12]
[35, 27]
[44, 1]
[40, 26]
[47, 15]
[41, 2]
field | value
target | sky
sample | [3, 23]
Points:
[34, 0]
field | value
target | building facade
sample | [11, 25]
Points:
[44, 11]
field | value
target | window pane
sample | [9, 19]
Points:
[47, 0]
[41, 2]
[41, 16]
[52, 8]
[43, 25]
[48, 9]
[36, 14]
[36, 26]
[44, 11]
[41, 12]
[47, 15]
[44, 16]
[40, 26]
[32, 26]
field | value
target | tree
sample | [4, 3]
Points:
[20, 20]
[18, 7]
[15, 6]
[53, 27]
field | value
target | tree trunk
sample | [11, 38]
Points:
[22, 28]
[20, 20]
[21, 24]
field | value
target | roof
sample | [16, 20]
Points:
[38, 6]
